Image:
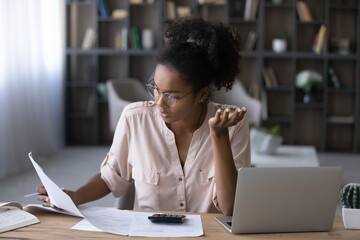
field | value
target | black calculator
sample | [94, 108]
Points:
[166, 218]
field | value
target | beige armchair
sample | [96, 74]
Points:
[121, 93]
[239, 97]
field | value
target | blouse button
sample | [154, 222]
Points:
[180, 179]
[181, 204]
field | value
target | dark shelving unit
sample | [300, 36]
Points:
[301, 124]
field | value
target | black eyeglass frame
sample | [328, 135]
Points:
[151, 87]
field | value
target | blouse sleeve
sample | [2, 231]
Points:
[115, 170]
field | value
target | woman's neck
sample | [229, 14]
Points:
[189, 125]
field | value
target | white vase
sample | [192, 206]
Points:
[279, 45]
[351, 218]
[147, 39]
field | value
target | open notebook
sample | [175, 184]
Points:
[14, 217]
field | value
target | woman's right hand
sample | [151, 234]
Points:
[45, 199]
[43, 196]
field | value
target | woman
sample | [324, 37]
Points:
[181, 151]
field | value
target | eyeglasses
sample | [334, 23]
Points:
[169, 99]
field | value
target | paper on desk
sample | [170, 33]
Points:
[50, 209]
[85, 225]
[109, 220]
[57, 196]
[141, 226]
[102, 218]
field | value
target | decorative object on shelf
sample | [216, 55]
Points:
[279, 43]
[333, 77]
[265, 140]
[309, 81]
[136, 1]
[276, 2]
[350, 199]
[147, 38]
[183, 11]
[340, 45]
[119, 14]
[102, 91]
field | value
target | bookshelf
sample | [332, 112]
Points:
[331, 123]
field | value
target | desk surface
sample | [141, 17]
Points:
[57, 226]
[287, 156]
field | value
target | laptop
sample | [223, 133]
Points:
[284, 199]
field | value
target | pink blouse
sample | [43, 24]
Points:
[144, 151]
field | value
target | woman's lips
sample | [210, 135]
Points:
[163, 114]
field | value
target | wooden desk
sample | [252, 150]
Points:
[57, 226]
[287, 156]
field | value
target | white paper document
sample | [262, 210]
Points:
[115, 221]
[57, 196]
[141, 226]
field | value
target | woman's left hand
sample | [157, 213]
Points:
[227, 118]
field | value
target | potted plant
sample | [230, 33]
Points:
[279, 42]
[308, 81]
[265, 140]
[350, 199]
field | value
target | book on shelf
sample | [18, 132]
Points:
[266, 78]
[135, 37]
[216, 2]
[272, 76]
[238, 8]
[253, 9]
[269, 77]
[255, 90]
[15, 217]
[74, 25]
[250, 10]
[117, 41]
[320, 41]
[131, 39]
[341, 119]
[91, 104]
[124, 38]
[251, 40]
[170, 10]
[89, 38]
[304, 11]
[103, 8]
[264, 107]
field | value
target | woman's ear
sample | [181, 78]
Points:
[204, 94]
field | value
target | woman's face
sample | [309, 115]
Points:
[168, 80]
